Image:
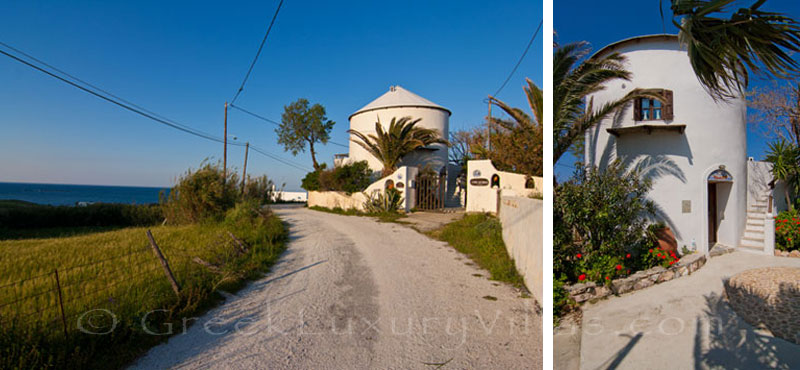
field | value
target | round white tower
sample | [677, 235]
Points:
[398, 103]
[696, 146]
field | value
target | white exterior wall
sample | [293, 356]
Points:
[486, 198]
[522, 234]
[437, 119]
[715, 135]
[338, 199]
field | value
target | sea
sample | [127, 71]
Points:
[70, 195]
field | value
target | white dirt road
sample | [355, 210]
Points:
[352, 293]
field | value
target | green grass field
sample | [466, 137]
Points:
[116, 270]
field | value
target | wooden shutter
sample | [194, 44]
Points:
[667, 112]
[637, 109]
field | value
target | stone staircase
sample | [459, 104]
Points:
[753, 238]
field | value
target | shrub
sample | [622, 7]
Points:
[387, 202]
[600, 223]
[562, 302]
[99, 214]
[258, 189]
[201, 194]
[787, 231]
[350, 178]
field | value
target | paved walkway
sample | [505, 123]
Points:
[353, 293]
[684, 324]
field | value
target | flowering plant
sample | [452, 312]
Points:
[787, 231]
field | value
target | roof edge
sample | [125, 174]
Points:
[635, 39]
[449, 113]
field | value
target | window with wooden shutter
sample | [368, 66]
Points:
[637, 109]
[645, 109]
[668, 111]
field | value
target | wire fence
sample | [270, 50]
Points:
[80, 297]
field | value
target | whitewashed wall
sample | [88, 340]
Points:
[485, 198]
[334, 199]
[522, 234]
[715, 135]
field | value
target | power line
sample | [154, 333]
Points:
[253, 64]
[520, 59]
[274, 122]
[126, 104]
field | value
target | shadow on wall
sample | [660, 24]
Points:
[731, 343]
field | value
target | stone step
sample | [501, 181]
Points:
[756, 239]
[752, 244]
[752, 214]
[758, 230]
[754, 235]
[749, 249]
[760, 204]
[756, 222]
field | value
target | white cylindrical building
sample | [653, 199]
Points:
[397, 103]
[696, 146]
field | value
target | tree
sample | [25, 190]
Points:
[575, 79]
[401, 138]
[516, 144]
[785, 159]
[723, 51]
[777, 110]
[301, 125]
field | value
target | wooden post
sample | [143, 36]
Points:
[225, 148]
[244, 170]
[175, 287]
[489, 125]
[61, 304]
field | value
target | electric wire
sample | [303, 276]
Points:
[276, 123]
[258, 53]
[520, 59]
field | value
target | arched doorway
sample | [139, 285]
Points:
[719, 183]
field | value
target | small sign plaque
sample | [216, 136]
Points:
[686, 206]
[479, 182]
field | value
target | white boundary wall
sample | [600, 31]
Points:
[522, 234]
[484, 198]
[402, 180]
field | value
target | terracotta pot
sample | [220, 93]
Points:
[666, 240]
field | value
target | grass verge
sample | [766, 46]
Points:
[130, 284]
[480, 237]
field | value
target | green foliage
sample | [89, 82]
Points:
[400, 139]
[480, 236]
[258, 189]
[301, 125]
[386, 202]
[785, 158]
[562, 302]
[787, 231]
[201, 194]
[16, 216]
[600, 223]
[349, 178]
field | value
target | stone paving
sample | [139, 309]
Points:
[770, 298]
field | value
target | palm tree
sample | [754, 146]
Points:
[402, 138]
[722, 50]
[517, 143]
[785, 157]
[574, 79]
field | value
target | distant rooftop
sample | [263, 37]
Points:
[399, 97]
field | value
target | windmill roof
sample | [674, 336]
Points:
[399, 97]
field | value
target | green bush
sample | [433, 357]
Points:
[258, 189]
[387, 202]
[562, 302]
[202, 194]
[600, 224]
[787, 231]
[349, 178]
[33, 216]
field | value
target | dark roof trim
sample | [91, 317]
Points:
[449, 113]
[634, 40]
[648, 129]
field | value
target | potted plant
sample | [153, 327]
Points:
[664, 237]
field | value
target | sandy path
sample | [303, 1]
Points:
[354, 293]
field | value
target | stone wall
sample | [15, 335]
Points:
[640, 280]
[336, 199]
[522, 234]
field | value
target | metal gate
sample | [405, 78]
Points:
[430, 192]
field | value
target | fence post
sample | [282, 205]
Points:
[175, 287]
[61, 304]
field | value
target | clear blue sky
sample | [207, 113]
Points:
[583, 20]
[185, 59]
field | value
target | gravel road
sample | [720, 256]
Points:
[354, 293]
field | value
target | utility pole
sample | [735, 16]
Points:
[225, 148]
[489, 123]
[244, 170]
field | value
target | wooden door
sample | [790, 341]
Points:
[712, 213]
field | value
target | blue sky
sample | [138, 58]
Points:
[583, 20]
[185, 59]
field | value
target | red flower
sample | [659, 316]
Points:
[578, 255]
[671, 262]
[789, 239]
[664, 257]
[650, 251]
[608, 278]
[619, 267]
[582, 277]
[628, 255]
[659, 255]
[629, 271]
